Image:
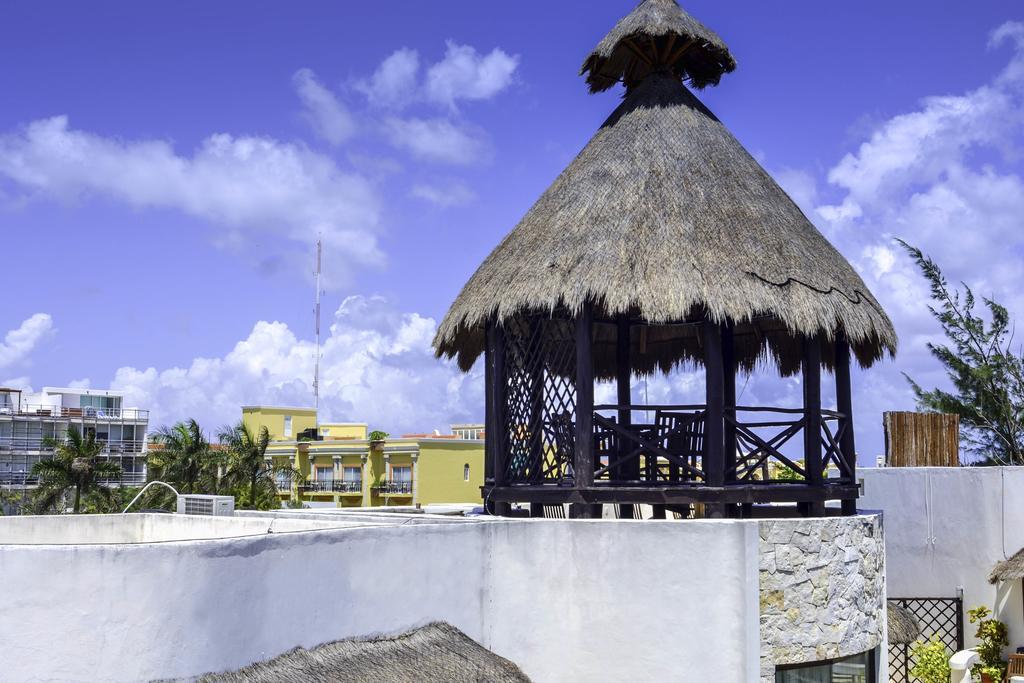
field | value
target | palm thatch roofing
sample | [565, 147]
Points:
[436, 652]
[690, 48]
[665, 218]
[1011, 569]
[903, 625]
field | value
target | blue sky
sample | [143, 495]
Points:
[164, 171]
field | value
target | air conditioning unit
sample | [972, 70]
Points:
[217, 506]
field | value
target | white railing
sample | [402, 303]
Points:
[35, 443]
[29, 410]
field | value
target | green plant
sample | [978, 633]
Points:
[986, 373]
[185, 459]
[378, 435]
[931, 661]
[74, 468]
[992, 639]
[251, 473]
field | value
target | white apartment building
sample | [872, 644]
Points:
[27, 419]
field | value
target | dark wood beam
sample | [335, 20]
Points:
[498, 406]
[811, 369]
[623, 376]
[536, 419]
[714, 391]
[550, 494]
[844, 404]
[729, 367]
[584, 456]
[490, 431]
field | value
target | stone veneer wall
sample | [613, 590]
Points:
[822, 589]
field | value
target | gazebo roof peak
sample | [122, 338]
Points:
[658, 36]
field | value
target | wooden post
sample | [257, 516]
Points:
[536, 419]
[584, 456]
[714, 436]
[811, 368]
[624, 397]
[844, 404]
[490, 431]
[498, 409]
[729, 366]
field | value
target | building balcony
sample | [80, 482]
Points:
[394, 488]
[22, 479]
[331, 486]
[17, 444]
[117, 414]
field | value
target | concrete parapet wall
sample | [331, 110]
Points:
[567, 600]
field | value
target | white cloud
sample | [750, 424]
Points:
[325, 114]
[446, 195]
[393, 84]
[437, 140]
[22, 340]
[464, 74]
[377, 366]
[945, 178]
[239, 183]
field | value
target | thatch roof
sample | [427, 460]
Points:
[689, 47]
[903, 625]
[666, 218]
[1009, 570]
[437, 652]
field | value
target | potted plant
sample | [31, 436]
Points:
[931, 661]
[377, 438]
[992, 639]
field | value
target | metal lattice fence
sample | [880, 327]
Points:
[941, 617]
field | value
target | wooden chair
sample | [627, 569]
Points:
[1015, 667]
[681, 434]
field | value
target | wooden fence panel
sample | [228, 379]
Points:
[921, 439]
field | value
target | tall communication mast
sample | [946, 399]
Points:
[316, 316]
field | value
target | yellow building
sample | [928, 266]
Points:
[341, 465]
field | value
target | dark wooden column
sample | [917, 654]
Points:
[811, 368]
[490, 431]
[844, 404]
[714, 433]
[729, 367]
[496, 399]
[624, 397]
[584, 455]
[535, 368]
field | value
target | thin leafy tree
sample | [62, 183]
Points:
[76, 467]
[185, 458]
[248, 466]
[986, 373]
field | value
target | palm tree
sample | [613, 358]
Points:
[75, 464]
[248, 465]
[186, 459]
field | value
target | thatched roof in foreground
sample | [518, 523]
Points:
[436, 652]
[1009, 570]
[666, 218]
[903, 625]
[689, 47]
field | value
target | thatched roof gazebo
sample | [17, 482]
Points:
[664, 243]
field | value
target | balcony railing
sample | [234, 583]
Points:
[35, 443]
[29, 479]
[394, 488]
[330, 486]
[29, 410]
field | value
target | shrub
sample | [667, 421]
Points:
[931, 661]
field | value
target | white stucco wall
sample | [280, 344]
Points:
[946, 528]
[572, 600]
